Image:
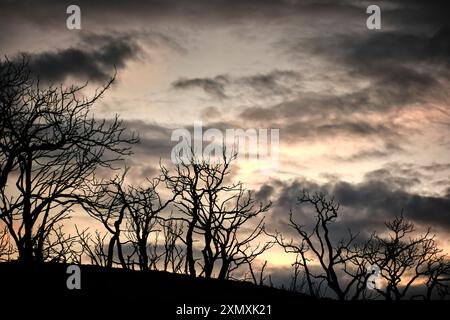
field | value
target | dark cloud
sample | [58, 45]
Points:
[380, 199]
[400, 67]
[95, 59]
[436, 167]
[195, 11]
[417, 12]
[323, 105]
[354, 128]
[213, 86]
[313, 130]
[365, 206]
[401, 70]
[157, 39]
[394, 57]
[365, 49]
[154, 141]
[275, 82]
[312, 118]
[264, 193]
[399, 176]
[385, 151]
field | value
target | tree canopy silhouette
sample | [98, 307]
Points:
[50, 146]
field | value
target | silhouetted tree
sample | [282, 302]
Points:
[131, 215]
[405, 258]
[301, 261]
[174, 255]
[438, 277]
[144, 207]
[93, 246]
[258, 280]
[108, 204]
[230, 219]
[317, 244]
[216, 214]
[6, 247]
[49, 148]
[61, 247]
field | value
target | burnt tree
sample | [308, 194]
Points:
[50, 146]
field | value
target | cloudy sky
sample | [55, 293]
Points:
[363, 114]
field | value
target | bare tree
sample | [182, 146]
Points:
[131, 215]
[61, 247]
[187, 183]
[93, 246]
[438, 277]
[404, 258]
[301, 261]
[258, 280]
[233, 243]
[216, 215]
[144, 207]
[49, 149]
[6, 247]
[109, 204]
[317, 244]
[174, 254]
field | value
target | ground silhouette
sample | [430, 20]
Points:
[123, 293]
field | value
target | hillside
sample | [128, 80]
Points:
[158, 285]
[135, 290]
[123, 293]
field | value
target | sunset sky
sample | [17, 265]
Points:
[363, 114]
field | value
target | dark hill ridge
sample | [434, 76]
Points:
[157, 285]
[125, 294]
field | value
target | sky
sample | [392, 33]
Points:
[362, 114]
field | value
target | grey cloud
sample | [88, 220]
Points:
[311, 130]
[264, 193]
[399, 176]
[394, 56]
[154, 141]
[402, 67]
[211, 113]
[96, 64]
[380, 198]
[213, 86]
[364, 206]
[391, 87]
[159, 39]
[369, 50]
[420, 12]
[195, 11]
[320, 106]
[97, 56]
[387, 150]
[436, 167]
[359, 128]
[275, 82]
